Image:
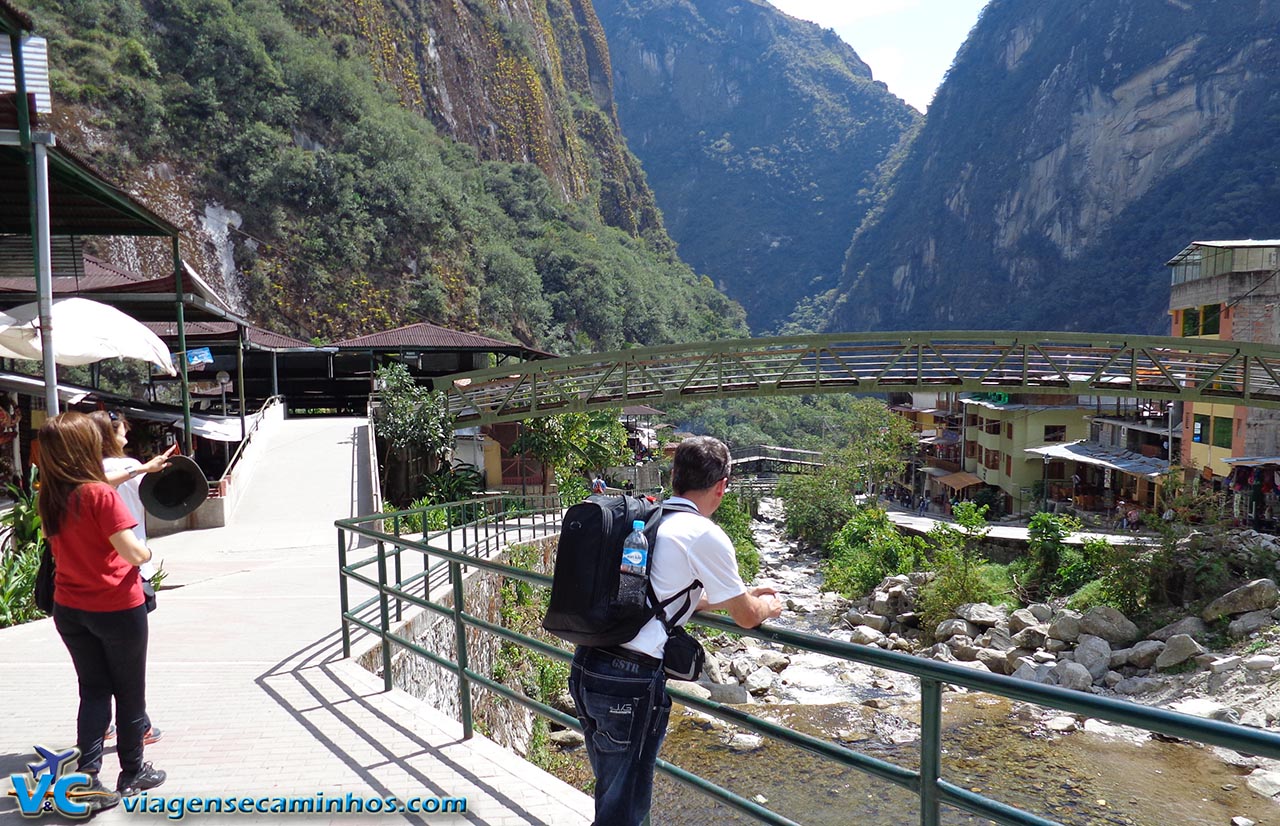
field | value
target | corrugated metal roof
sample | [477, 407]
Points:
[1092, 453]
[35, 70]
[225, 330]
[426, 336]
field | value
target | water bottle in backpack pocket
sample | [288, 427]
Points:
[633, 576]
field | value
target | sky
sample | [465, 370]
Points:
[909, 44]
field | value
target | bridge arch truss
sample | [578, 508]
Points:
[1066, 364]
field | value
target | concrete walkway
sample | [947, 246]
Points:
[246, 677]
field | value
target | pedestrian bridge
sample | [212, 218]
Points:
[1066, 364]
[756, 459]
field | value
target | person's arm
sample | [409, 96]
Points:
[157, 463]
[749, 609]
[129, 547]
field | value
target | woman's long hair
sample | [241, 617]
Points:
[70, 456]
[107, 428]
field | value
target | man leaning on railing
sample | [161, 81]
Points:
[620, 692]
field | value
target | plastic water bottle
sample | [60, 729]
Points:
[635, 561]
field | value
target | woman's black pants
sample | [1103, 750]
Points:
[109, 650]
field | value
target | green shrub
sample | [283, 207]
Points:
[959, 578]
[733, 517]
[20, 551]
[1089, 595]
[866, 550]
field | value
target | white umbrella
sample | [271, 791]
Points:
[84, 331]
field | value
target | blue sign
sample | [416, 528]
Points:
[49, 787]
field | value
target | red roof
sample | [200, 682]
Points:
[226, 330]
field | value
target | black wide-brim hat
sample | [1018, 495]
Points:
[176, 491]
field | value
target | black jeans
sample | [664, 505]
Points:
[624, 708]
[109, 650]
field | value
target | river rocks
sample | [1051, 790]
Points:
[775, 661]
[566, 739]
[1109, 624]
[1264, 782]
[1250, 623]
[729, 693]
[1193, 627]
[866, 635]
[1178, 650]
[1143, 654]
[1260, 662]
[994, 660]
[1031, 636]
[1072, 675]
[1022, 618]
[954, 627]
[758, 681]
[980, 613]
[1259, 595]
[1094, 653]
[1065, 625]
[696, 689]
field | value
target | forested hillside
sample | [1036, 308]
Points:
[761, 135]
[344, 167]
[1073, 149]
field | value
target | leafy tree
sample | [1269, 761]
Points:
[414, 424]
[577, 442]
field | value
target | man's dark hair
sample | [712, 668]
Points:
[700, 462]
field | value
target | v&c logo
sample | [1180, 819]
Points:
[48, 786]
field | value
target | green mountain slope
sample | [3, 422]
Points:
[344, 167]
[760, 134]
[1073, 149]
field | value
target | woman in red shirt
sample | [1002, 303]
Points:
[98, 600]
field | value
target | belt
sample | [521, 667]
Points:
[631, 656]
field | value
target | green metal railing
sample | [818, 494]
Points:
[475, 529]
[1063, 364]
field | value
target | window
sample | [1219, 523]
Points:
[1008, 466]
[1200, 429]
[1008, 430]
[1222, 431]
[1209, 319]
[1191, 321]
[1055, 433]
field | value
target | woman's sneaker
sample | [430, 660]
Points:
[153, 735]
[96, 796]
[147, 777]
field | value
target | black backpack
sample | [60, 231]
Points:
[588, 564]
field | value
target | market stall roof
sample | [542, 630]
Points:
[959, 480]
[1253, 461]
[426, 336]
[935, 471]
[946, 437]
[1092, 453]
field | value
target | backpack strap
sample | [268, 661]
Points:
[651, 533]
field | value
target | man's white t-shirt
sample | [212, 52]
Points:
[688, 547]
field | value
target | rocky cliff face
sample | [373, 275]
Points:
[525, 81]
[760, 135]
[1071, 151]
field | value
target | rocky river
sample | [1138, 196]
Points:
[1064, 768]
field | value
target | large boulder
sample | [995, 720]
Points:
[1259, 595]
[1072, 675]
[1020, 619]
[1246, 624]
[981, 613]
[1065, 625]
[1031, 636]
[1193, 627]
[865, 635]
[1178, 650]
[994, 660]
[1143, 654]
[1094, 653]
[997, 638]
[1108, 623]
[954, 627]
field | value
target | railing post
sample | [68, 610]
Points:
[460, 631]
[384, 614]
[344, 601]
[930, 749]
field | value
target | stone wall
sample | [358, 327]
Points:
[504, 722]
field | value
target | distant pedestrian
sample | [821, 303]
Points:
[924, 505]
[597, 485]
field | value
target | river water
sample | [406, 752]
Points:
[997, 747]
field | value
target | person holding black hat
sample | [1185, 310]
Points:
[98, 608]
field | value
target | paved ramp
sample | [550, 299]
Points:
[246, 677]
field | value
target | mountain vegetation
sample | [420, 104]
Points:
[342, 168]
[1071, 151]
[761, 135]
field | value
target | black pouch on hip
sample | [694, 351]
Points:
[683, 656]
